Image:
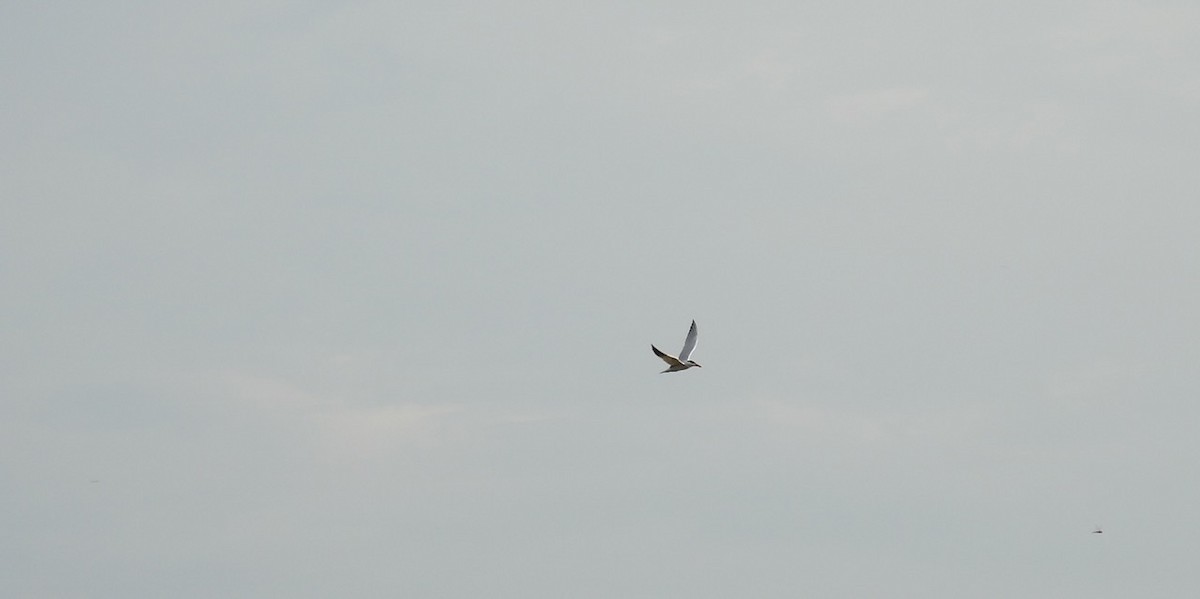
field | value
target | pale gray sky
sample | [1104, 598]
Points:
[356, 299]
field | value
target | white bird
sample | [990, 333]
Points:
[682, 362]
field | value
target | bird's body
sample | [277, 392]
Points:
[683, 362]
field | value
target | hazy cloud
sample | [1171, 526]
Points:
[356, 299]
[867, 107]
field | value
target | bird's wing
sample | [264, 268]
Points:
[671, 360]
[689, 344]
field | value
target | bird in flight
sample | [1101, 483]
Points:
[682, 362]
[1098, 530]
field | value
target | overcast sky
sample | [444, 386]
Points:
[317, 299]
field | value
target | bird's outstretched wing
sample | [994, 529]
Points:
[669, 359]
[689, 344]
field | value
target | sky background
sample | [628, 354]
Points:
[315, 299]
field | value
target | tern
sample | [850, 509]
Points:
[682, 362]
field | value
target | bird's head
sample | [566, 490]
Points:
[693, 363]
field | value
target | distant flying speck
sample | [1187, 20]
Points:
[682, 362]
[1098, 531]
